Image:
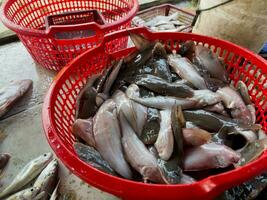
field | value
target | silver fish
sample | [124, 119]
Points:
[54, 195]
[11, 93]
[83, 128]
[243, 91]
[164, 143]
[163, 87]
[108, 138]
[209, 156]
[233, 101]
[252, 111]
[111, 78]
[184, 68]
[138, 155]
[27, 174]
[135, 113]
[26, 194]
[165, 102]
[47, 180]
[206, 97]
[211, 62]
[217, 108]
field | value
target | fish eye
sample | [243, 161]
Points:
[31, 189]
[45, 154]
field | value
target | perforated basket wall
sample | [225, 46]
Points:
[27, 19]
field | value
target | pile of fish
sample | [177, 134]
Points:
[44, 187]
[170, 23]
[11, 93]
[166, 117]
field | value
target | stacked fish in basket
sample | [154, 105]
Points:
[172, 110]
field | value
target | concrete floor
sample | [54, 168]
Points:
[21, 132]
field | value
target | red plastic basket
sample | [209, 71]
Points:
[59, 110]
[164, 10]
[27, 19]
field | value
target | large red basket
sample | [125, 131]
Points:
[27, 19]
[59, 110]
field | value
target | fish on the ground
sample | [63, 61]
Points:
[10, 93]
[27, 194]
[27, 174]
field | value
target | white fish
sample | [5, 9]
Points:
[164, 143]
[108, 138]
[10, 93]
[27, 194]
[184, 68]
[46, 181]
[27, 174]
[206, 97]
[138, 155]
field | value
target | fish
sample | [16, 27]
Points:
[213, 122]
[252, 111]
[211, 62]
[196, 136]
[160, 52]
[54, 195]
[83, 128]
[213, 84]
[10, 93]
[187, 49]
[107, 136]
[138, 155]
[252, 151]
[165, 141]
[135, 113]
[112, 76]
[141, 43]
[217, 108]
[243, 91]
[100, 98]
[101, 79]
[160, 68]
[27, 174]
[93, 157]
[206, 97]
[177, 123]
[47, 180]
[185, 179]
[248, 190]
[165, 102]
[152, 149]
[184, 68]
[163, 87]
[171, 170]
[26, 194]
[233, 101]
[152, 126]
[4, 158]
[85, 106]
[209, 156]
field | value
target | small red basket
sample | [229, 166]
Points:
[76, 22]
[164, 10]
[59, 111]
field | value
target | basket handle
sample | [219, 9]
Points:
[90, 30]
[215, 185]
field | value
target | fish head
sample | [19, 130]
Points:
[45, 158]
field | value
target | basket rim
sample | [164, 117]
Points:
[44, 33]
[210, 186]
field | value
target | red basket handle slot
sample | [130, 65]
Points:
[91, 30]
[215, 185]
